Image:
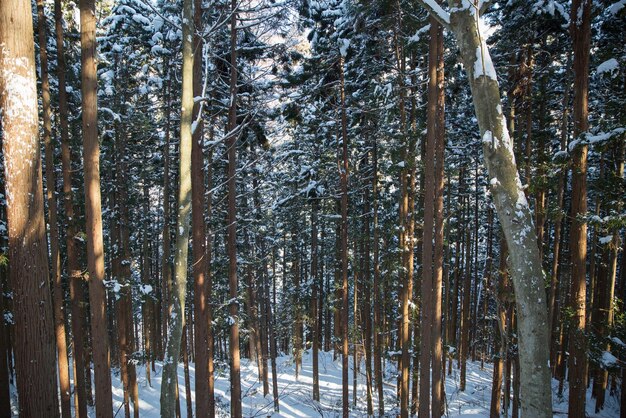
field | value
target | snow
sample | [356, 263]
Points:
[609, 360]
[344, 44]
[483, 66]
[295, 395]
[436, 8]
[609, 66]
[416, 37]
[606, 240]
[616, 7]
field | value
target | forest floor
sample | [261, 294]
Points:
[295, 395]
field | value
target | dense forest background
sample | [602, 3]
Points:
[252, 180]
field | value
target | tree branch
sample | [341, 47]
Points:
[437, 12]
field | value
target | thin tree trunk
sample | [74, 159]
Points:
[343, 175]
[367, 284]
[55, 258]
[32, 305]
[314, 316]
[436, 331]
[502, 288]
[231, 145]
[378, 312]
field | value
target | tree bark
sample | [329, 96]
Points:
[201, 304]
[55, 258]
[32, 305]
[436, 332]
[581, 37]
[512, 208]
[179, 289]
[343, 176]
[231, 141]
[93, 209]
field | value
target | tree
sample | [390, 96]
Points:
[233, 283]
[34, 340]
[581, 36]
[169, 390]
[93, 209]
[55, 257]
[510, 202]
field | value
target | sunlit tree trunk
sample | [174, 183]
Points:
[32, 305]
[93, 209]
[169, 384]
[577, 362]
[55, 258]
[511, 206]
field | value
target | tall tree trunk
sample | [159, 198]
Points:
[314, 316]
[367, 294]
[502, 290]
[511, 205]
[124, 248]
[465, 306]
[436, 336]
[604, 308]
[165, 261]
[272, 334]
[55, 258]
[186, 347]
[558, 226]
[581, 36]
[231, 141]
[179, 289]
[428, 287]
[378, 312]
[343, 176]
[32, 305]
[201, 303]
[93, 209]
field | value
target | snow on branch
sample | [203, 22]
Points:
[437, 12]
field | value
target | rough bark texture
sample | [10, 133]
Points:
[577, 361]
[343, 175]
[32, 306]
[177, 297]
[55, 257]
[201, 303]
[73, 266]
[512, 209]
[93, 209]
[231, 145]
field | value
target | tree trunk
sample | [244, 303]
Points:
[32, 306]
[436, 332]
[55, 258]
[580, 31]
[201, 302]
[179, 289]
[93, 209]
[343, 175]
[502, 289]
[378, 312]
[231, 141]
[512, 208]
[314, 316]
[428, 287]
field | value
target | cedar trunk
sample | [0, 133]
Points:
[32, 306]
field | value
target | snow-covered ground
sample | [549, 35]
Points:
[296, 395]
